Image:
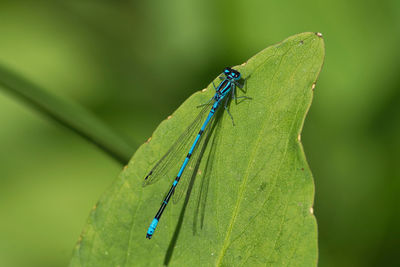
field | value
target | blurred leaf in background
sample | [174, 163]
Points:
[132, 63]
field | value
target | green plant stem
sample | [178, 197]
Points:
[69, 114]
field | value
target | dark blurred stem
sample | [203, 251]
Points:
[69, 114]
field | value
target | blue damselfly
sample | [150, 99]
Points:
[223, 93]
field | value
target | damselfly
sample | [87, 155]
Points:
[223, 92]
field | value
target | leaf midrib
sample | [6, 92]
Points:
[253, 156]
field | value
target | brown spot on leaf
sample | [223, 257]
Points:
[313, 86]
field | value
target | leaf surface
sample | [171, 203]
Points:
[251, 201]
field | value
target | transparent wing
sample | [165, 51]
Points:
[170, 162]
[191, 169]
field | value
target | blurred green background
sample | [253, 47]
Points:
[132, 63]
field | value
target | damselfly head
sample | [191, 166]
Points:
[232, 74]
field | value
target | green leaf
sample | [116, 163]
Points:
[254, 185]
[68, 114]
